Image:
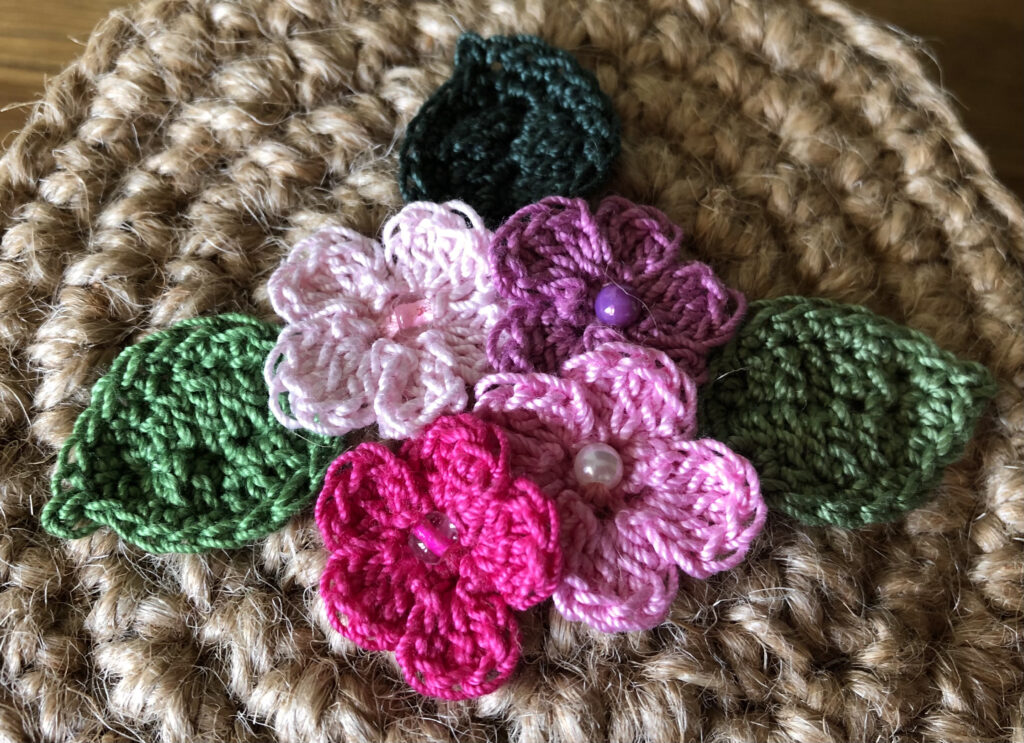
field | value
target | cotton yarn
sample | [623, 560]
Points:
[682, 504]
[518, 120]
[177, 451]
[804, 150]
[382, 334]
[445, 611]
[553, 260]
[849, 418]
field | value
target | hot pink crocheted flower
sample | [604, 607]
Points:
[574, 280]
[611, 440]
[389, 335]
[431, 548]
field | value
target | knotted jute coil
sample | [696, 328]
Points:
[804, 149]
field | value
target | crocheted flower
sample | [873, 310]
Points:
[390, 335]
[611, 440]
[574, 280]
[431, 549]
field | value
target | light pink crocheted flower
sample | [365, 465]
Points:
[431, 548]
[681, 502]
[388, 334]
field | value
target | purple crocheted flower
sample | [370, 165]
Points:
[574, 280]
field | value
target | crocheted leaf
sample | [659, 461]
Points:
[518, 120]
[178, 451]
[848, 417]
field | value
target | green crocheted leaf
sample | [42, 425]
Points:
[517, 120]
[848, 417]
[178, 450]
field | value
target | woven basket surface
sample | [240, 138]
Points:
[804, 149]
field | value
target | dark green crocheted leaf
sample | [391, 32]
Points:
[178, 450]
[517, 120]
[848, 417]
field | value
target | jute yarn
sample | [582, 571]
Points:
[804, 149]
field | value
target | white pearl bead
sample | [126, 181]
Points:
[598, 463]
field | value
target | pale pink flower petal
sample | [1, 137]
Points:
[320, 374]
[612, 584]
[703, 510]
[334, 269]
[639, 390]
[416, 383]
[388, 334]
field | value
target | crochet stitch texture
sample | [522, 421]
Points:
[681, 503]
[489, 543]
[848, 417]
[518, 120]
[551, 259]
[386, 333]
[152, 184]
[177, 451]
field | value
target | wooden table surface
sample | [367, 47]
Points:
[978, 46]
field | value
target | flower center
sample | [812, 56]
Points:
[598, 464]
[432, 537]
[616, 307]
[407, 315]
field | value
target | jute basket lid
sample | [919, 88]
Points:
[804, 148]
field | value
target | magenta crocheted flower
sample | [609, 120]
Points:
[611, 439]
[388, 334]
[432, 549]
[574, 280]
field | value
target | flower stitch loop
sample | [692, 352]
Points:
[431, 549]
[574, 280]
[669, 501]
[391, 335]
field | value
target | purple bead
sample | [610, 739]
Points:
[616, 307]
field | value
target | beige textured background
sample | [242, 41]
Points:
[978, 45]
[805, 150]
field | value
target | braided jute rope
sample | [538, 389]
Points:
[801, 148]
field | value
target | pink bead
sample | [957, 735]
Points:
[432, 537]
[408, 315]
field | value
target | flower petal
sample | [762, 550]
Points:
[545, 418]
[459, 645]
[365, 490]
[611, 583]
[439, 248]
[368, 590]
[369, 501]
[464, 463]
[415, 384]
[689, 312]
[643, 241]
[518, 552]
[703, 508]
[552, 250]
[334, 268]
[320, 374]
[534, 337]
[637, 394]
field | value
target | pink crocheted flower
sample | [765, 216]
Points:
[431, 548]
[389, 335]
[611, 440]
[574, 280]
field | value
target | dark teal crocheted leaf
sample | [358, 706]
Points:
[848, 417]
[516, 121]
[178, 450]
